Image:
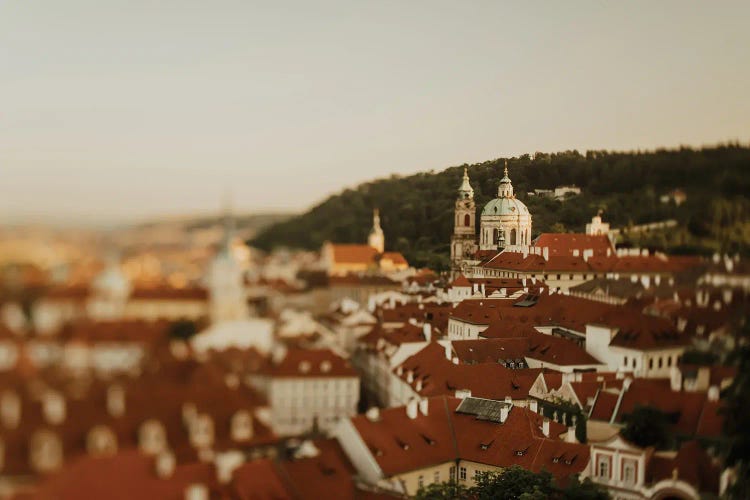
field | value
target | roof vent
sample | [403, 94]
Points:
[373, 414]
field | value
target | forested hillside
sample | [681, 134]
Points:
[417, 211]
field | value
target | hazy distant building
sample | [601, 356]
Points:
[227, 294]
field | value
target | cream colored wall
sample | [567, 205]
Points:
[410, 480]
[471, 469]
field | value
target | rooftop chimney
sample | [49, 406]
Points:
[424, 407]
[411, 409]
[10, 409]
[373, 414]
[196, 491]
[53, 406]
[463, 393]
[545, 427]
[427, 331]
[534, 406]
[165, 464]
[115, 400]
[226, 463]
[504, 410]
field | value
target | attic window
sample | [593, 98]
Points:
[404, 446]
[520, 453]
[428, 440]
[557, 459]
[486, 446]
[571, 460]
[325, 366]
[326, 470]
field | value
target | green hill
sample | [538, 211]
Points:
[417, 211]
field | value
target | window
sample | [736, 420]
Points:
[660, 362]
[628, 471]
[633, 362]
[476, 475]
[602, 467]
[453, 472]
[436, 479]
[571, 276]
[462, 472]
[559, 276]
[669, 361]
[625, 361]
[651, 363]
[420, 481]
[467, 220]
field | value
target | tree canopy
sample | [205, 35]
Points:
[647, 426]
[417, 211]
[515, 483]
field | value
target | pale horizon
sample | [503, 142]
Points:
[125, 112]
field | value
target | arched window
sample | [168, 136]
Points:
[512, 236]
[467, 220]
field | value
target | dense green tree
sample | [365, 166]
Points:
[583, 490]
[417, 211]
[443, 491]
[647, 426]
[514, 483]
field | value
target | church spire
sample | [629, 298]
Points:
[505, 189]
[376, 239]
[466, 191]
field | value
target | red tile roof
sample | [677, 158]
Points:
[353, 253]
[566, 243]
[400, 444]
[299, 362]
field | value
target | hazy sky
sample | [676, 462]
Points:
[127, 109]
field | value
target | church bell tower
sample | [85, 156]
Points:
[463, 241]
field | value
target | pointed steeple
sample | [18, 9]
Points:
[466, 191]
[376, 239]
[505, 189]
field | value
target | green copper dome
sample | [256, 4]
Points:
[505, 206]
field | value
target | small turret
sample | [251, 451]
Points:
[466, 192]
[376, 238]
[505, 189]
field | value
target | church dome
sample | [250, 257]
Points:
[505, 206]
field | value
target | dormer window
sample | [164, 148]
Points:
[304, 366]
[325, 366]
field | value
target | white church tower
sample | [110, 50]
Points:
[376, 238]
[110, 292]
[227, 296]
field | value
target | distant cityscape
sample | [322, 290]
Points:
[175, 361]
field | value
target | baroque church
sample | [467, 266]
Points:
[505, 223]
